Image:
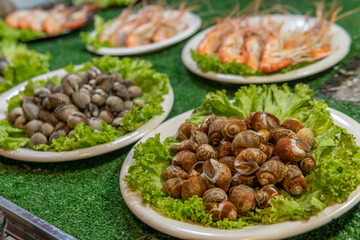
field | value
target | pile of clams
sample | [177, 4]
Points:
[236, 165]
[91, 97]
[4, 63]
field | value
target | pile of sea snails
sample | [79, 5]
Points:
[254, 157]
[4, 63]
[91, 97]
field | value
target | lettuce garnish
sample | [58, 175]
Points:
[12, 138]
[213, 63]
[337, 156]
[94, 39]
[24, 35]
[105, 3]
[153, 84]
[24, 64]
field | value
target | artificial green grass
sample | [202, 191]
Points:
[83, 197]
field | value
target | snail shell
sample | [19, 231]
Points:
[185, 159]
[229, 161]
[307, 136]
[232, 127]
[204, 126]
[31, 111]
[271, 172]
[243, 197]
[183, 145]
[214, 195]
[264, 120]
[197, 139]
[293, 124]
[247, 120]
[245, 139]
[307, 164]
[278, 133]
[173, 187]
[197, 168]
[37, 138]
[62, 112]
[194, 185]
[291, 150]
[205, 152]
[215, 131]
[249, 160]
[81, 99]
[294, 182]
[224, 149]
[265, 193]
[264, 135]
[174, 171]
[57, 99]
[14, 114]
[239, 179]
[184, 131]
[217, 173]
[268, 149]
[222, 210]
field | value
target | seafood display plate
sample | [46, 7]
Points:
[340, 43]
[187, 230]
[39, 156]
[193, 21]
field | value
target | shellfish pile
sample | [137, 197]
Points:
[4, 63]
[236, 165]
[91, 97]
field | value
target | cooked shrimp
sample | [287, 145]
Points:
[53, 24]
[13, 18]
[78, 16]
[233, 48]
[212, 40]
[253, 46]
[36, 22]
[24, 22]
[114, 25]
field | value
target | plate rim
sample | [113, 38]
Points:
[167, 225]
[152, 47]
[306, 71]
[29, 155]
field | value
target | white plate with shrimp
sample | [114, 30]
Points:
[340, 45]
[29, 155]
[192, 20]
[188, 230]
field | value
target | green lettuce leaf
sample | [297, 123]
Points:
[11, 137]
[94, 39]
[25, 64]
[105, 3]
[212, 63]
[23, 35]
[335, 151]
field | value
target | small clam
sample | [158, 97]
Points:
[44, 115]
[84, 77]
[31, 111]
[14, 114]
[174, 171]
[116, 122]
[128, 105]
[62, 126]
[71, 133]
[135, 91]
[27, 99]
[117, 77]
[42, 92]
[81, 99]
[86, 88]
[92, 110]
[52, 119]
[107, 116]
[173, 187]
[20, 122]
[185, 159]
[76, 118]
[243, 197]
[57, 99]
[128, 82]
[62, 112]
[56, 135]
[105, 82]
[218, 173]
[99, 97]
[121, 90]
[139, 102]
[46, 104]
[70, 84]
[47, 129]
[95, 123]
[114, 104]
[122, 113]
[93, 72]
[4, 63]
[33, 126]
[38, 138]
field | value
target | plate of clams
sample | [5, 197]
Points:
[225, 209]
[90, 97]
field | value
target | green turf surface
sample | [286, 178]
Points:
[83, 197]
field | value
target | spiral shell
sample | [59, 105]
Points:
[222, 210]
[218, 173]
[197, 139]
[291, 150]
[307, 164]
[239, 179]
[232, 127]
[294, 182]
[185, 159]
[214, 195]
[183, 145]
[229, 161]
[173, 187]
[184, 131]
[243, 197]
[265, 193]
[215, 131]
[245, 139]
[307, 136]
[278, 133]
[197, 168]
[268, 149]
[293, 124]
[271, 172]
[205, 152]
[264, 135]
[249, 160]
[205, 124]
[264, 120]
[224, 149]
[174, 171]
[194, 185]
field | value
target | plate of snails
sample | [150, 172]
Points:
[189, 230]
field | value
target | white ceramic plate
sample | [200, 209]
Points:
[188, 230]
[340, 41]
[39, 156]
[193, 21]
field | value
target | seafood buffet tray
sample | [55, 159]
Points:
[193, 21]
[341, 42]
[188, 230]
[40, 156]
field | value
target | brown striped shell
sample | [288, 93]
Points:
[232, 127]
[268, 149]
[249, 160]
[205, 152]
[214, 195]
[222, 210]
[184, 131]
[81, 99]
[194, 185]
[197, 139]
[173, 171]
[265, 193]
[306, 135]
[293, 124]
[224, 149]
[184, 159]
[278, 133]
[264, 135]
[264, 120]
[271, 172]
[229, 161]
[215, 131]
[57, 99]
[205, 124]
[239, 179]
[183, 145]
[307, 164]
[173, 187]
[243, 197]
[294, 182]
[291, 150]
[245, 139]
[217, 173]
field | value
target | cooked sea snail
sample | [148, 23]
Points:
[89, 97]
[224, 160]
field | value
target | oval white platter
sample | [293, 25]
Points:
[40, 156]
[187, 230]
[193, 21]
[340, 42]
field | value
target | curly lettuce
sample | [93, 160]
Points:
[24, 64]
[12, 138]
[23, 35]
[94, 39]
[337, 156]
[106, 3]
[212, 63]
